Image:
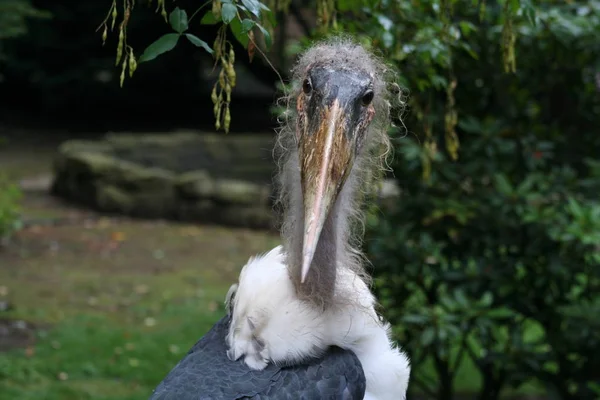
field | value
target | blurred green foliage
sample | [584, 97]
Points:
[10, 220]
[14, 15]
[10, 196]
[491, 257]
[94, 356]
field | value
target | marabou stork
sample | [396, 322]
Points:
[301, 320]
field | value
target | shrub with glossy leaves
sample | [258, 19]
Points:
[9, 207]
[491, 257]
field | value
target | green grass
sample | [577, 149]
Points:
[96, 357]
[121, 303]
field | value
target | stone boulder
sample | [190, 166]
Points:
[172, 176]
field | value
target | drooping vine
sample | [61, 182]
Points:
[242, 17]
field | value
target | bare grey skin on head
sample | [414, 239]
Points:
[333, 139]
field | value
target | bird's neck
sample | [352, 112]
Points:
[333, 249]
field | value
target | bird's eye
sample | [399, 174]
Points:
[367, 98]
[307, 86]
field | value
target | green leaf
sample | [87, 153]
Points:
[228, 12]
[196, 41]
[466, 27]
[503, 185]
[179, 20]
[268, 40]
[414, 319]
[461, 299]
[236, 29]
[439, 82]
[247, 25]
[427, 336]
[161, 45]
[263, 7]
[252, 6]
[385, 22]
[486, 299]
[502, 312]
[349, 5]
[208, 19]
[575, 207]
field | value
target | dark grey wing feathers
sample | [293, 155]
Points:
[206, 373]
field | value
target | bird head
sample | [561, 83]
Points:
[334, 110]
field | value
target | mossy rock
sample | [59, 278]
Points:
[129, 141]
[139, 179]
[154, 205]
[91, 164]
[237, 192]
[195, 185]
[205, 178]
[80, 145]
[114, 199]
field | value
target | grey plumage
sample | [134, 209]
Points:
[206, 373]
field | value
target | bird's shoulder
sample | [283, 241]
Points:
[206, 373]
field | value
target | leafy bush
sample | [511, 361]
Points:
[492, 260]
[13, 15]
[9, 209]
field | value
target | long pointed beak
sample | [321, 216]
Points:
[326, 157]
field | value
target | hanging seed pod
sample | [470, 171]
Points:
[114, 15]
[227, 120]
[218, 116]
[104, 35]
[122, 77]
[163, 12]
[217, 47]
[231, 74]
[228, 92]
[218, 112]
[132, 64]
[120, 46]
[231, 56]
[216, 9]
[222, 78]
[213, 95]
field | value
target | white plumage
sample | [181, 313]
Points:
[265, 306]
